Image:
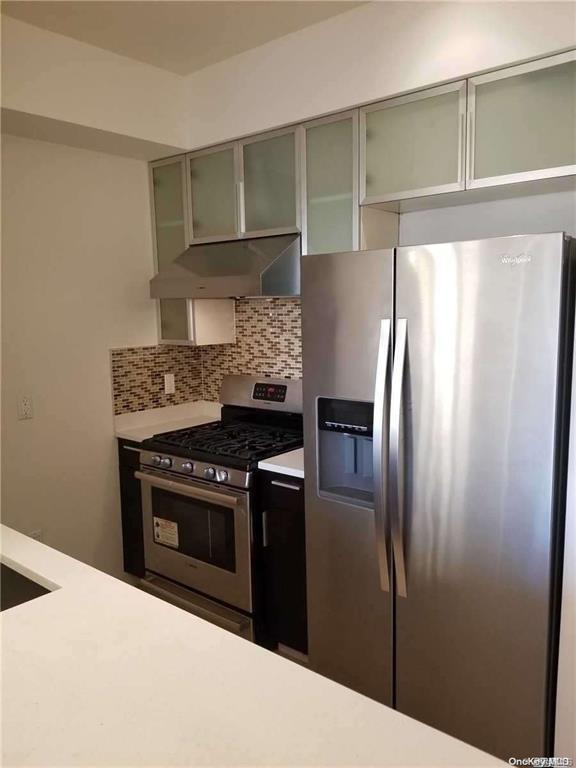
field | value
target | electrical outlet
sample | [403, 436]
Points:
[25, 410]
[169, 384]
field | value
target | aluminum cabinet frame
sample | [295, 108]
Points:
[187, 231]
[503, 74]
[192, 240]
[460, 87]
[296, 130]
[352, 114]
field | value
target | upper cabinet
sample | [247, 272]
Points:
[244, 188]
[197, 322]
[413, 145]
[516, 124]
[170, 230]
[169, 204]
[213, 200]
[183, 321]
[522, 122]
[330, 184]
[268, 183]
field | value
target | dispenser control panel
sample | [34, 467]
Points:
[348, 416]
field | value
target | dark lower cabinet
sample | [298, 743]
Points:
[281, 502]
[131, 506]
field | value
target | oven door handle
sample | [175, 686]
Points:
[171, 595]
[194, 492]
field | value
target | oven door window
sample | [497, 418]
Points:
[198, 529]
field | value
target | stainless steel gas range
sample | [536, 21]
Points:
[197, 487]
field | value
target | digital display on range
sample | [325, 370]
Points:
[273, 393]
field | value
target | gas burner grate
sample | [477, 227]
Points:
[234, 440]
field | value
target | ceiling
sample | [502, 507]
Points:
[179, 36]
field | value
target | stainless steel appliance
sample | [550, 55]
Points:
[252, 266]
[435, 408]
[197, 499]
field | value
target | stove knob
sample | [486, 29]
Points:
[209, 473]
[156, 460]
[165, 463]
[221, 475]
[187, 466]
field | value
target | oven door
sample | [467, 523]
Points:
[198, 535]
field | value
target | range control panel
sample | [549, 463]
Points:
[273, 393]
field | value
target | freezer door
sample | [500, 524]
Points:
[346, 303]
[476, 517]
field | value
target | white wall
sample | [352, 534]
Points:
[377, 50]
[56, 77]
[77, 257]
[552, 212]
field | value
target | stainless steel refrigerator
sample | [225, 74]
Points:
[436, 386]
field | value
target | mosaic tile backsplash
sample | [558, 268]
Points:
[138, 376]
[268, 343]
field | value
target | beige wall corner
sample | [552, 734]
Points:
[81, 136]
[76, 261]
[54, 76]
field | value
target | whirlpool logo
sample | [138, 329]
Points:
[516, 258]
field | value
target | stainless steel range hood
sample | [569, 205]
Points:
[257, 266]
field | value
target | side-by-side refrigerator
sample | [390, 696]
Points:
[436, 385]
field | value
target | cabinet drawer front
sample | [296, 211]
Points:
[129, 453]
[282, 492]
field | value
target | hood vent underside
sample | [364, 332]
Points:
[257, 266]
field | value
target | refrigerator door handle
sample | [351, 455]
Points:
[395, 458]
[379, 450]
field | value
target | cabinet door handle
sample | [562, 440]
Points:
[264, 528]
[470, 148]
[290, 486]
[241, 201]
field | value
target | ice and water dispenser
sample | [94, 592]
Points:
[345, 450]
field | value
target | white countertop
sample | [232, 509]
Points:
[291, 463]
[140, 425]
[99, 673]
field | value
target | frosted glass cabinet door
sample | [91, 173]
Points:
[414, 145]
[171, 233]
[331, 196]
[269, 176]
[213, 193]
[174, 320]
[169, 210]
[522, 122]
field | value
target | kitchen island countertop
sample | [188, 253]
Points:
[100, 673]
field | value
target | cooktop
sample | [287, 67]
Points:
[232, 440]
